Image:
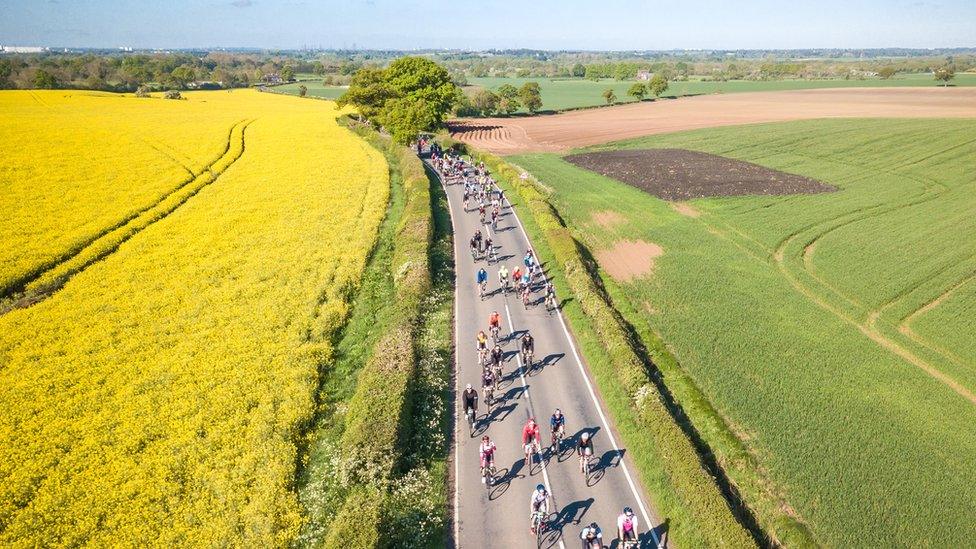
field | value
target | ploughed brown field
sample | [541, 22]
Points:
[565, 131]
[678, 174]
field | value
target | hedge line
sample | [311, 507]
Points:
[691, 483]
[377, 419]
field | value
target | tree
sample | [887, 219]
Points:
[637, 91]
[609, 96]
[887, 72]
[368, 92]
[405, 117]
[142, 91]
[182, 75]
[485, 102]
[579, 70]
[45, 80]
[421, 80]
[530, 95]
[508, 98]
[302, 90]
[172, 94]
[287, 73]
[945, 73]
[658, 85]
[318, 68]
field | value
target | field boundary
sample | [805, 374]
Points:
[676, 476]
[51, 277]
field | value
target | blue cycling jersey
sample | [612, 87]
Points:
[555, 422]
[482, 276]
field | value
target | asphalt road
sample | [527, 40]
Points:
[499, 516]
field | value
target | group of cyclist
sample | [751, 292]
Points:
[491, 358]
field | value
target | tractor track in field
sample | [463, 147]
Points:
[931, 190]
[29, 290]
[905, 328]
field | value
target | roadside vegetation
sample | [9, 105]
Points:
[816, 338]
[375, 475]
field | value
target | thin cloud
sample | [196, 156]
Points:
[242, 3]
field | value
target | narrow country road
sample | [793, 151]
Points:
[499, 516]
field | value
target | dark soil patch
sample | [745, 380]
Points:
[677, 174]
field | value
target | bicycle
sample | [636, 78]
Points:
[539, 526]
[557, 440]
[494, 333]
[484, 286]
[497, 371]
[469, 414]
[629, 544]
[488, 473]
[525, 298]
[586, 464]
[489, 396]
[483, 355]
[550, 303]
[527, 358]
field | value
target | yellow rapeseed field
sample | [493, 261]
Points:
[76, 164]
[158, 398]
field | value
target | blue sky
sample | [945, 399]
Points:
[482, 24]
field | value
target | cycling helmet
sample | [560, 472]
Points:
[558, 412]
[628, 511]
[541, 487]
[585, 436]
[468, 387]
[485, 438]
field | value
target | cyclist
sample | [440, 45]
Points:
[526, 295]
[526, 278]
[584, 449]
[482, 345]
[482, 280]
[494, 320]
[503, 278]
[489, 248]
[529, 258]
[487, 453]
[557, 424]
[488, 386]
[474, 247]
[627, 526]
[478, 238]
[497, 355]
[592, 537]
[517, 275]
[528, 349]
[469, 400]
[530, 438]
[538, 503]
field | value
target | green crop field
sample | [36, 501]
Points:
[560, 94]
[834, 332]
[315, 89]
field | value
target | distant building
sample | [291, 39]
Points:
[272, 78]
[22, 49]
[644, 75]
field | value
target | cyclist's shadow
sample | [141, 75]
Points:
[498, 413]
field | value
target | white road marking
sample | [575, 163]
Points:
[596, 402]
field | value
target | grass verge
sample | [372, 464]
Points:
[375, 474]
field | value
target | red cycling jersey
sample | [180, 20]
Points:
[530, 433]
[494, 319]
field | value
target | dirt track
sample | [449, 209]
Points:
[565, 131]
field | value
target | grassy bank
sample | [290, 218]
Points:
[375, 474]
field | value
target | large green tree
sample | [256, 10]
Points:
[530, 95]
[609, 96]
[945, 73]
[485, 102]
[508, 98]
